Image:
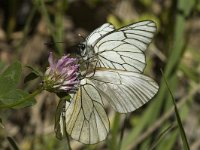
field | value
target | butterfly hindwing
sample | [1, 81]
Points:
[125, 91]
[85, 117]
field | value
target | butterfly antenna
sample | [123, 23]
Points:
[51, 43]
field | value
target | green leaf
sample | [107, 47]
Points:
[13, 72]
[17, 99]
[6, 85]
[35, 71]
[9, 78]
[30, 76]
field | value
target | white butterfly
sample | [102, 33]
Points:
[115, 77]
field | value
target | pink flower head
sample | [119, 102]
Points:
[61, 75]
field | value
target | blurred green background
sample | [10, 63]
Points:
[25, 27]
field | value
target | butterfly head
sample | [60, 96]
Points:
[82, 49]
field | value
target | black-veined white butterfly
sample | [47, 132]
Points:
[116, 62]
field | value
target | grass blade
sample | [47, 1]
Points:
[161, 136]
[12, 143]
[181, 129]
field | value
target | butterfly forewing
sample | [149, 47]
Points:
[98, 33]
[124, 48]
[87, 53]
[86, 119]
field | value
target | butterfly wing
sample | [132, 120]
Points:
[125, 91]
[59, 119]
[124, 48]
[98, 33]
[87, 53]
[85, 118]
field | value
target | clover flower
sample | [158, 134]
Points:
[61, 75]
